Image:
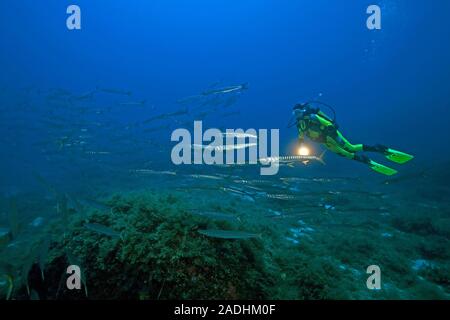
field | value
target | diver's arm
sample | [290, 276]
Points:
[301, 136]
[324, 115]
[324, 120]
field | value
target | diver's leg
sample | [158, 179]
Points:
[338, 148]
[337, 143]
[376, 148]
[390, 154]
[346, 144]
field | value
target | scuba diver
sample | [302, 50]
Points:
[318, 127]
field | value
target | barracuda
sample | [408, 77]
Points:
[226, 90]
[290, 159]
[225, 147]
[220, 152]
[239, 135]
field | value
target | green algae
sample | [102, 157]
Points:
[162, 255]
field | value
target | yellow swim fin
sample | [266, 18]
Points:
[382, 169]
[398, 156]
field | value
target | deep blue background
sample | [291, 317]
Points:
[389, 86]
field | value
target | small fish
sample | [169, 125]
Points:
[92, 153]
[224, 147]
[85, 96]
[114, 91]
[255, 189]
[281, 196]
[288, 180]
[205, 176]
[292, 240]
[274, 213]
[228, 234]
[252, 182]
[10, 282]
[225, 90]
[216, 215]
[43, 254]
[239, 135]
[74, 204]
[39, 221]
[167, 115]
[101, 229]
[59, 92]
[26, 267]
[290, 159]
[133, 103]
[153, 172]
[96, 204]
[240, 193]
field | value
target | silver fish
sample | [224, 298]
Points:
[85, 96]
[205, 176]
[43, 254]
[102, 229]
[95, 204]
[240, 193]
[167, 115]
[290, 159]
[228, 234]
[224, 147]
[93, 153]
[114, 91]
[153, 172]
[133, 103]
[281, 196]
[226, 90]
[239, 135]
[39, 221]
[216, 215]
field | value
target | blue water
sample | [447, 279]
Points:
[388, 86]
